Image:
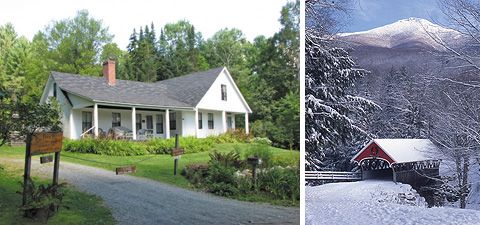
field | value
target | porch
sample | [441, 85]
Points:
[160, 122]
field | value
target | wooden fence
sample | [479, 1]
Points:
[333, 175]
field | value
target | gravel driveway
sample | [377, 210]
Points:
[136, 200]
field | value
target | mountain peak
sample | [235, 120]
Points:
[411, 33]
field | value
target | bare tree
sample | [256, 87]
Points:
[462, 16]
[456, 131]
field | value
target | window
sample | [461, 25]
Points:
[150, 122]
[200, 121]
[138, 119]
[159, 124]
[116, 120]
[55, 90]
[210, 121]
[173, 121]
[224, 92]
[86, 121]
[229, 122]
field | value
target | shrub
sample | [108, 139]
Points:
[105, 146]
[281, 183]
[228, 159]
[223, 189]
[42, 201]
[263, 152]
[220, 178]
[261, 140]
[285, 160]
[195, 173]
[160, 146]
[233, 136]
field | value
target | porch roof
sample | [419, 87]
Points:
[182, 92]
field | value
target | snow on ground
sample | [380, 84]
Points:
[377, 202]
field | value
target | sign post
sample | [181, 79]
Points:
[56, 166]
[254, 161]
[28, 164]
[177, 152]
[41, 143]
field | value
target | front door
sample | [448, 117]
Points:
[150, 122]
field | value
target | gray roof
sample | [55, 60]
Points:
[184, 91]
[191, 88]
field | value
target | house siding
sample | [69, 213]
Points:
[217, 124]
[213, 98]
[188, 123]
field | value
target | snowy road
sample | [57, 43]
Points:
[376, 202]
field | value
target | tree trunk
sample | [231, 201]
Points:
[464, 185]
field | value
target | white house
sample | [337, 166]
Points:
[198, 104]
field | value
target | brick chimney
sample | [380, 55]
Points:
[109, 71]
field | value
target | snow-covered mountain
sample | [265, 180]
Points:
[405, 34]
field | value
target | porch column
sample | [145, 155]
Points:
[224, 121]
[196, 122]
[246, 123]
[167, 124]
[72, 125]
[134, 124]
[95, 118]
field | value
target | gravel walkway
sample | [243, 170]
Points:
[136, 200]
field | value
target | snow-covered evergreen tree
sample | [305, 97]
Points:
[334, 115]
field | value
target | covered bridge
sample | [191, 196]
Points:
[405, 160]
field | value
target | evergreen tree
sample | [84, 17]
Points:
[14, 55]
[141, 61]
[333, 114]
[178, 50]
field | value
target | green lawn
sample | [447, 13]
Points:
[155, 167]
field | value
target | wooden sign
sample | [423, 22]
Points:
[46, 142]
[128, 169]
[252, 160]
[178, 151]
[46, 159]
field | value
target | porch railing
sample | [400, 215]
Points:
[84, 133]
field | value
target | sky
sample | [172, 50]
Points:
[253, 17]
[369, 14]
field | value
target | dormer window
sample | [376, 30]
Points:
[224, 92]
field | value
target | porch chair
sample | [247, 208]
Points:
[144, 134]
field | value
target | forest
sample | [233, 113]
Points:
[267, 70]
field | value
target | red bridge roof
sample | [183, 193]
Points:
[397, 150]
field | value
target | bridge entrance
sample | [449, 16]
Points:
[376, 169]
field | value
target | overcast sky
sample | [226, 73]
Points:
[253, 17]
[369, 14]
